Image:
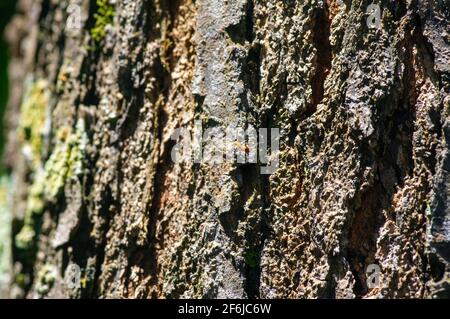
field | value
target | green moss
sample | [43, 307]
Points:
[45, 280]
[32, 120]
[65, 162]
[251, 259]
[24, 239]
[20, 280]
[103, 17]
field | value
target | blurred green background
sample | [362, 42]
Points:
[6, 12]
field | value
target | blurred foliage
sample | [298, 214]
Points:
[7, 10]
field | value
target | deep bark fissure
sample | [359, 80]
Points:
[163, 160]
[399, 144]
[362, 236]
[321, 40]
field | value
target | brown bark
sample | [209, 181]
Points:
[364, 151]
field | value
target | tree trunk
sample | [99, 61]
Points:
[359, 206]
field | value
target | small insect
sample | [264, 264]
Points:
[63, 77]
[242, 147]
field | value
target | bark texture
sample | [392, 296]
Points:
[364, 174]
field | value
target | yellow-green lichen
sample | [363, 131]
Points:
[103, 17]
[20, 280]
[45, 280]
[32, 120]
[65, 162]
[24, 239]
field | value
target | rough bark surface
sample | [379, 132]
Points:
[364, 174]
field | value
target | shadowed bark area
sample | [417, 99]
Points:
[100, 210]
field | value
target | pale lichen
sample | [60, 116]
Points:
[33, 120]
[65, 162]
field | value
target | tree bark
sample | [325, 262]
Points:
[100, 210]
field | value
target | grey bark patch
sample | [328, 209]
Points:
[70, 219]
